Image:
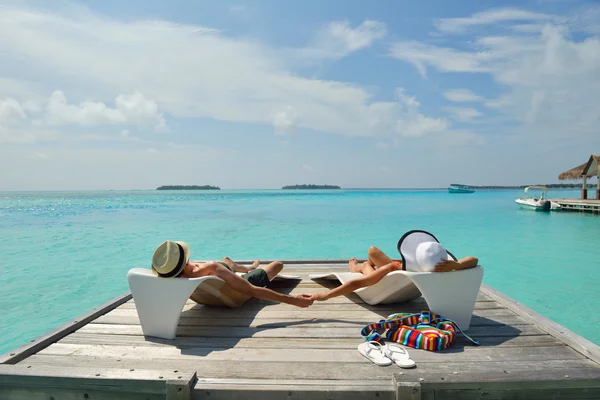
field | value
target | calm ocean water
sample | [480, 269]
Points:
[62, 254]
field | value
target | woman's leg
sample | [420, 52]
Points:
[365, 268]
[378, 258]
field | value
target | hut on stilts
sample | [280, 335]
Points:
[585, 171]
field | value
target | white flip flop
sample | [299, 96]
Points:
[374, 352]
[399, 355]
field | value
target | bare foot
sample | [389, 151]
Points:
[255, 264]
[353, 264]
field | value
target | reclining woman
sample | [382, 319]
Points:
[172, 260]
[422, 253]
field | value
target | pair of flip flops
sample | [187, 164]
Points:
[386, 354]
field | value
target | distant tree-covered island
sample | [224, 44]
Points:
[311, 187]
[188, 187]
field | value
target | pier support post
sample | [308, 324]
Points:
[584, 188]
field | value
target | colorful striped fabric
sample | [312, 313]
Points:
[425, 331]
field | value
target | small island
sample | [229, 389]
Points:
[311, 187]
[188, 187]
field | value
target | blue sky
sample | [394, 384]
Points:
[261, 94]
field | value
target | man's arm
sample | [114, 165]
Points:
[243, 286]
[357, 283]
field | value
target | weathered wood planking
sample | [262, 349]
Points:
[285, 343]
[264, 350]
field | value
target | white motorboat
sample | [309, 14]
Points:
[537, 203]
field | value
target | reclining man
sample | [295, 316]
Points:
[172, 260]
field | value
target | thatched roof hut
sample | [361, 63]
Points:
[584, 171]
[591, 168]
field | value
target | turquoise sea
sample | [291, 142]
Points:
[63, 253]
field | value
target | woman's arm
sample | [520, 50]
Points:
[357, 283]
[451, 265]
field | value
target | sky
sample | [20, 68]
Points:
[260, 94]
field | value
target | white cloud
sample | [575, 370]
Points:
[461, 96]
[416, 124]
[445, 59]
[463, 114]
[130, 109]
[230, 79]
[285, 120]
[309, 168]
[549, 81]
[10, 111]
[459, 25]
[339, 38]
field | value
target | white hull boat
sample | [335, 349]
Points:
[540, 203]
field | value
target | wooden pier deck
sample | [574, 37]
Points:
[264, 350]
[581, 205]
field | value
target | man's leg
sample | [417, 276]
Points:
[235, 267]
[378, 257]
[272, 269]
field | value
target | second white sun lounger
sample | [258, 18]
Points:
[450, 294]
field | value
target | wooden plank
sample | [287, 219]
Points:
[455, 354]
[25, 382]
[408, 390]
[284, 343]
[291, 391]
[180, 389]
[41, 393]
[283, 322]
[333, 370]
[247, 389]
[560, 374]
[342, 303]
[520, 394]
[297, 332]
[579, 343]
[14, 356]
[214, 313]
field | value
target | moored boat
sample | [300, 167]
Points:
[537, 203]
[458, 188]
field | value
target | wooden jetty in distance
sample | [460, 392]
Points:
[265, 351]
[581, 205]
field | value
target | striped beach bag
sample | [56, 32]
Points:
[426, 331]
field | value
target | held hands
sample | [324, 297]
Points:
[303, 300]
[318, 296]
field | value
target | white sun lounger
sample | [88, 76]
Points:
[159, 301]
[450, 294]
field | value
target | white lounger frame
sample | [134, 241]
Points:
[450, 294]
[159, 301]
